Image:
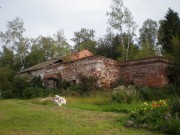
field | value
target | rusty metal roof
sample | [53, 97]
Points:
[74, 56]
[42, 65]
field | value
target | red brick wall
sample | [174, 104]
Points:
[146, 72]
[104, 69]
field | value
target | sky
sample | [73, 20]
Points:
[46, 17]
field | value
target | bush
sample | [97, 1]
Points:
[36, 82]
[75, 90]
[7, 94]
[88, 84]
[63, 84]
[85, 87]
[19, 84]
[122, 81]
[152, 93]
[123, 94]
[31, 92]
[157, 115]
[175, 104]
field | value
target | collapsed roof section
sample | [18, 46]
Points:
[74, 56]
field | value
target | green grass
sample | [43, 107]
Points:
[102, 104]
[30, 117]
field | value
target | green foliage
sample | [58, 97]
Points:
[148, 31]
[7, 58]
[176, 67]
[122, 82]
[175, 104]
[157, 115]
[36, 82]
[108, 46]
[6, 78]
[147, 50]
[25, 117]
[8, 93]
[19, 85]
[74, 90]
[126, 95]
[149, 94]
[148, 39]
[84, 39]
[63, 84]
[100, 103]
[42, 101]
[89, 83]
[121, 19]
[169, 27]
[152, 93]
[31, 92]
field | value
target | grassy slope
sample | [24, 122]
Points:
[20, 117]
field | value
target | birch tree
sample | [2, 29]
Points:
[121, 20]
[130, 27]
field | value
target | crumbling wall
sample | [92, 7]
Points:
[104, 69]
[146, 72]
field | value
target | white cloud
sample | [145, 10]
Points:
[45, 17]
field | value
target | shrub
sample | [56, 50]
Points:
[85, 87]
[74, 90]
[122, 81]
[19, 84]
[175, 104]
[36, 82]
[7, 94]
[31, 92]
[0, 93]
[87, 84]
[123, 94]
[63, 84]
[156, 115]
[152, 93]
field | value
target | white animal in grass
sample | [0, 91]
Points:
[59, 100]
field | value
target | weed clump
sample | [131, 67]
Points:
[122, 94]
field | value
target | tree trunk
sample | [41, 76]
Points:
[127, 50]
[122, 42]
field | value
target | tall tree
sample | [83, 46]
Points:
[7, 58]
[120, 19]
[130, 26]
[148, 38]
[63, 48]
[176, 56]
[13, 38]
[108, 46]
[48, 47]
[84, 39]
[169, 27]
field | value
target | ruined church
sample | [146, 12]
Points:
[143, 72]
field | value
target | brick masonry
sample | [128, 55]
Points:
[144, 72]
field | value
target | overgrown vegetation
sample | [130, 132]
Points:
[159, 107]
[162, 115]
[27, 117]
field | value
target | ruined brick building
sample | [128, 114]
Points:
[144, 72]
